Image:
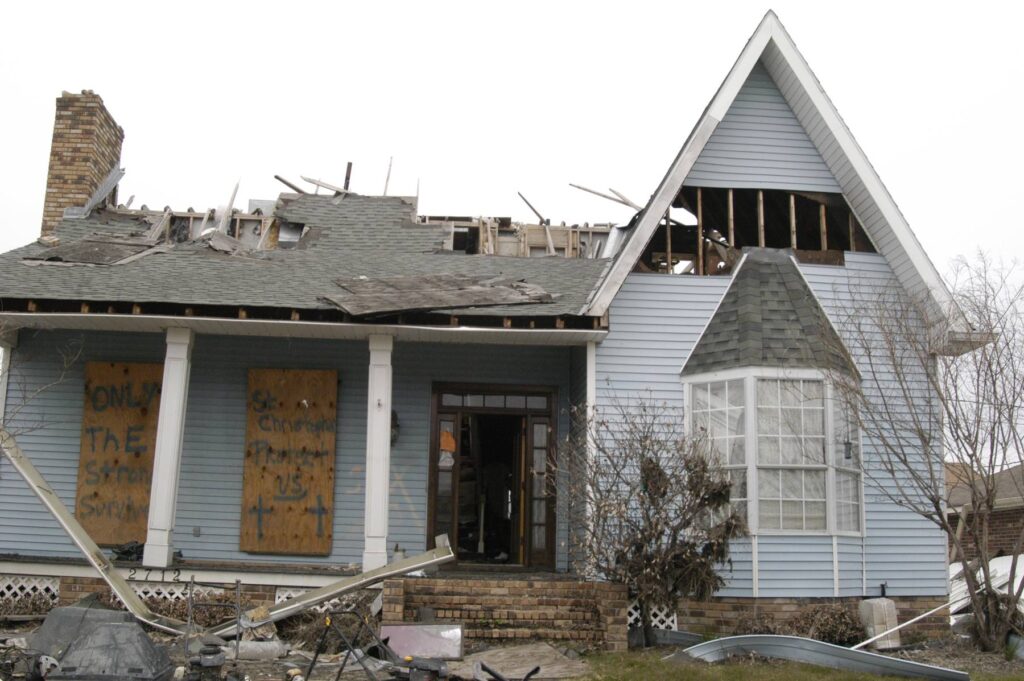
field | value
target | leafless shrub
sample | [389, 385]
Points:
[828, 622]
[651, 505]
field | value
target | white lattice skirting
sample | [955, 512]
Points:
[285, 593]
[17, 586]
[661, 618]
[171, 591]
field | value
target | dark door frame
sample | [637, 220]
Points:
[438, 389]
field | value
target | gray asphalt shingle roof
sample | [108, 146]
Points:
[368, 236]
[768, 318]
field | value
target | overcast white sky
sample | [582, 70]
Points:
[478, 100]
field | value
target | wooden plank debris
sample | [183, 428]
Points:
[431, 292]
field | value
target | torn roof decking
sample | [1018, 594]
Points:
[359, 236]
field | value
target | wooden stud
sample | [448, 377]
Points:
[242, 314]
[668, 242]
[559, 323]
[760, 218]
[111, 309]
[792, 221]
[533, 324]
[295, 313]
[31, 306]
[853, 233]
[189, 312]
[732, 223]
[136, 308]
[453, 321]
[700, 231]
[824, 227]
[85, 308]
[506, 322]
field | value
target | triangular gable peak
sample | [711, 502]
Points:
[771, 48]
[768, 317]
[760, 144]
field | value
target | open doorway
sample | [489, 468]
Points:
[489, 488]
[492, 478]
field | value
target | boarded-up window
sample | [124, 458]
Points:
[115, 467]
[288, 476]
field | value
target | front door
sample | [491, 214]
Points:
[492, 478]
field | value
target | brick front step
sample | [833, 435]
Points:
[516, 609]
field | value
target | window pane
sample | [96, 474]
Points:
[537, 402]
[767, 393]
[768, 515]
[718, 395]
[768, 450]
[735, 390]
[767, 421]
[451, 400]
[494, 401]
[474, 400]
[700, 397]
[848, 517]
[768, 484]
[739, 484]
[736, 423]
[792, 515]
[515, 401]
[814, 515]
[791, 450]
[737, 451]
[813, 391]
[814, 484]
[540, 435]
[701, 422]
[814, 421]
[790, 421]
[791, 393]
[792, 485]
[718, 423]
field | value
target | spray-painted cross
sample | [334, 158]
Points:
[320, 511]
[260, 510]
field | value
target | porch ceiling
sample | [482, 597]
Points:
[298, 329]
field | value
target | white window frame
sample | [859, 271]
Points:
[750, 375]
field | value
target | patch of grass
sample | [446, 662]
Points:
[649, 665]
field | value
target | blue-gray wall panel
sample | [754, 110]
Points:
[760, 144]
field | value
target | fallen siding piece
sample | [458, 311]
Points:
[432, 292]
[280, 611]
[809, 651]
[82, 540]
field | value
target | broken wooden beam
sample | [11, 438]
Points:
[823, 225]
[732, 222]
[760, 218]
[792, 221]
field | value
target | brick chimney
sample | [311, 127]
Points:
[86, 147]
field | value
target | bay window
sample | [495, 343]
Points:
[789, 445]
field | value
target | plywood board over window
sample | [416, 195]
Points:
[115, 465]
[288, 474]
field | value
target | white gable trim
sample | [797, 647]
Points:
[781, 57]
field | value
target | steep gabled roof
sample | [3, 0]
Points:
[768, 317]
[872, 204]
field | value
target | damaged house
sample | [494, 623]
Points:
[302, 389]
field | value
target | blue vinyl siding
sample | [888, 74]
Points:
[760, 144]
[210, 489]
[44, 411]
[655, 322]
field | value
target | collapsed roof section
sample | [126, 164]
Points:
[287, 266]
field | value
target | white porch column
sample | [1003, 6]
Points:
[8, 341]
[378, 453]
[170, 429]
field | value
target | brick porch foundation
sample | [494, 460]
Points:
[588, 613]
[722, 616]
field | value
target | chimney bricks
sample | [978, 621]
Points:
[86, 147]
